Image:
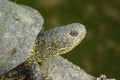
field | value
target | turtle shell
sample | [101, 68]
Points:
[19, 26]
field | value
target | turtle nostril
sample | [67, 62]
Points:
[73, 33]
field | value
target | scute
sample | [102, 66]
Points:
[17, 42]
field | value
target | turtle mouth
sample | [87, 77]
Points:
[68, 47]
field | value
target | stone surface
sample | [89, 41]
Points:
[61, 69]
[19, 26]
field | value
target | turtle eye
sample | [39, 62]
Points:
[73, 33]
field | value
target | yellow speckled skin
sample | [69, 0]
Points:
[48, 44]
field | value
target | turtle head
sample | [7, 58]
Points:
[61, 40]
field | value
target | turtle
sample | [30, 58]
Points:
[47, 44]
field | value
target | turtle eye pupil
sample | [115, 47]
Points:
[73, 33]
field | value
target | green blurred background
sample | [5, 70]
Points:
[99, 52]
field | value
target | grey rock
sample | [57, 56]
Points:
[19, 26]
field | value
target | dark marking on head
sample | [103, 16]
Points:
[40, 63]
